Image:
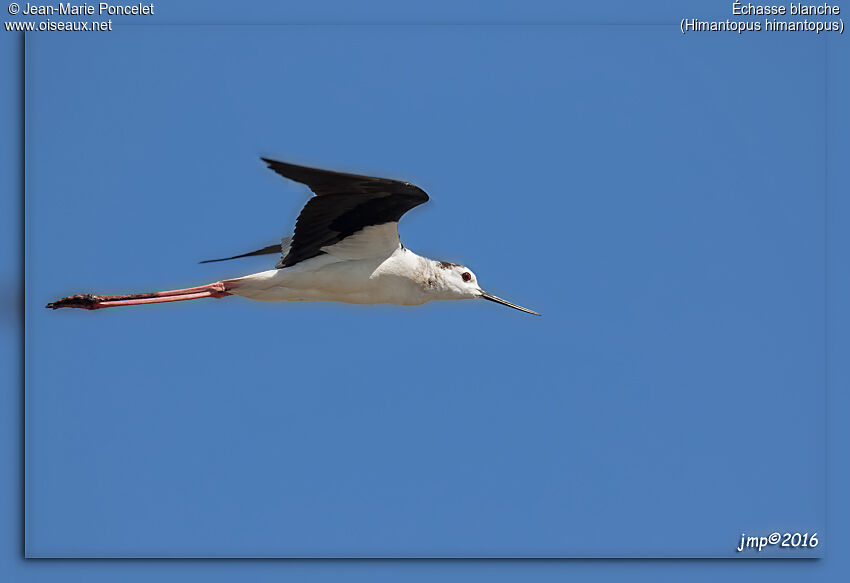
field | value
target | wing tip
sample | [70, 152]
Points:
[269, 162]
[268, 250]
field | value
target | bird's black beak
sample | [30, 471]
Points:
[499, 300]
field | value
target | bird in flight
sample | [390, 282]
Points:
[345, 248]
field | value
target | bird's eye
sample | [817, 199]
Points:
[466, 276]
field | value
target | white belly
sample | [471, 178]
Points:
[328, 278]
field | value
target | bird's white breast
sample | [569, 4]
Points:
[399, 278]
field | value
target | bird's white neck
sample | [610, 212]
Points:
[433, 279]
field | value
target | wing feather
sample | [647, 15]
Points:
[344, 204]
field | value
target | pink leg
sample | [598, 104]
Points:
[93, 302]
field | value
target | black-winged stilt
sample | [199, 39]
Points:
[345, 248]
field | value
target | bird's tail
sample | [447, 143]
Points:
[218, 289]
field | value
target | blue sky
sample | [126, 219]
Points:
[657, 197]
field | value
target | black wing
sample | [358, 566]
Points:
[344, 204]
[277, 248]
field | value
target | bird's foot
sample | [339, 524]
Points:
[84, 301]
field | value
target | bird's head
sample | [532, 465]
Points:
[458, 282]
